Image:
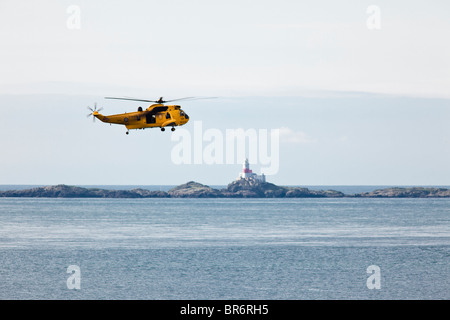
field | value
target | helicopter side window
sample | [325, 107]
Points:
[151, 118]
[167, 115]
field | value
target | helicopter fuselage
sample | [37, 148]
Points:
[156, 115]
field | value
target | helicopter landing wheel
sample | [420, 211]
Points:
[173, 129]
[163, 129]
[127, 132]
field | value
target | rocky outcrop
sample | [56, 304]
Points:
[64, 191]
[194, 190]
[251, 188]
[143, 193]
[413, 192]
[306, 193]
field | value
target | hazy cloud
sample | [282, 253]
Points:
[288, 135]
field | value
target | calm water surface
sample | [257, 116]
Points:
[224, 248]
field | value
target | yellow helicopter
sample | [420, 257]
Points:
[156, 115]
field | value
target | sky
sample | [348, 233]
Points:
[357, 89]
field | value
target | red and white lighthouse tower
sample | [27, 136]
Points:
[247, 173]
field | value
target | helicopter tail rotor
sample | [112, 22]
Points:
[94, 112]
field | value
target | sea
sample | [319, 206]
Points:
[225, 249]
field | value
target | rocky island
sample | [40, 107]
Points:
[247, 185]
[414, 192]
[241, 188]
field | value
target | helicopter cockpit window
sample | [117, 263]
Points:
[182, 113]
[167, 115]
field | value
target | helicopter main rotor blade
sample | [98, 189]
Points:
[191, 98]
[160, 100]
[130, 99]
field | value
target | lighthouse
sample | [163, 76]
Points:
[248, 174]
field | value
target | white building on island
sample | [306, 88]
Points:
[247, 173]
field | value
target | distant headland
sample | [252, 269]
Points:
[241, 188]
